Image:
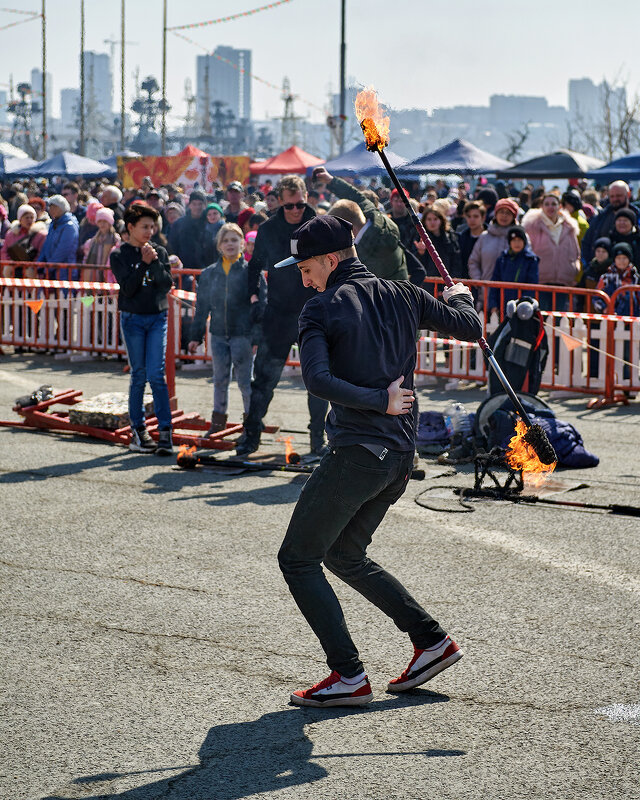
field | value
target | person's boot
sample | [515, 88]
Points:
[317, 446]
[218, 423]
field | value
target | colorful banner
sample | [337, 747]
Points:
[229, 18]
[185, 170]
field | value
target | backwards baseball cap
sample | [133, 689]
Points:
[317, 237]
[235, 186]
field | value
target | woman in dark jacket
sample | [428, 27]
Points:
[144, 275]
[444, 240]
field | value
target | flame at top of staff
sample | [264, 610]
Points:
[374, 124]
[520, 455]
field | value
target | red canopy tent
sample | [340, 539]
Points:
[292, 160]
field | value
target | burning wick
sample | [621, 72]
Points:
[186, 457]
[374, 124]
[520, 455]
[291, 457]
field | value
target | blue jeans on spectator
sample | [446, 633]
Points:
[334, 520]
[225, 351]
[145, 336]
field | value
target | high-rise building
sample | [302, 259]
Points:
[98, 82]
[4, 116]
[36, 88]
[224, 77]
[587, 99]
[69, 109]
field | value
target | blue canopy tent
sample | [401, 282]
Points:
[112, 161]
[14, 166]
[69, 165]
[626, 168]
[359, 161]
[459, 157]
[560, 164]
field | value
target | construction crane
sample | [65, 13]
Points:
[112, 47]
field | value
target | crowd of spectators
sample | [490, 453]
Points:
[575, 235]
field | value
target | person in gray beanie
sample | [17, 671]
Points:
[61, 244]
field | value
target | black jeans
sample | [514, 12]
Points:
[340, 507]
[267, 370]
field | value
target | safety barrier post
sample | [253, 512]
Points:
[170, 355]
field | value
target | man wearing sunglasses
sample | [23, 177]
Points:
[285, 299]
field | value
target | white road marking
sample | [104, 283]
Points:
[621, 712]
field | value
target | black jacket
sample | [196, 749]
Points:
[449, 251]
[143, 288]
[192, 241]
[465, 242]
[285, 292]
[358, 336]
[226, 299]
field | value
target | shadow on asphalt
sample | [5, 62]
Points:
[247, 758]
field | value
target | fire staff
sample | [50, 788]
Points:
[357, 350]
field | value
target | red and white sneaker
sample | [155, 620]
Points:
[332, 691]
[426, 664]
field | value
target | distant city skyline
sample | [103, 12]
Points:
[445, 56]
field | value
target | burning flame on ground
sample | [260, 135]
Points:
[185, 452]
[374, 124]
[521, 455]
[291, 456]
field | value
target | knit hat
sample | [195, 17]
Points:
[395, 193]
[517, 232]
[623, 249]
[177, 207]
[488, 196]
[105, 214]
[628, 213]
[251, 236]
[196, 194]
[604, 242]
[573, 199]
[245, 215]
[92, 210]
[508, 204]
[60, 202]
[25, 209]
[216, 207]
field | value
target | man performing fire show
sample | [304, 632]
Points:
[357, 350]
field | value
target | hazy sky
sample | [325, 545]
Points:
[417, 53]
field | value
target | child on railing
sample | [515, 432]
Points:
[621, 273]
[223, 293]
[517, 264]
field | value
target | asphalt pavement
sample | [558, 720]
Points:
[150, 644]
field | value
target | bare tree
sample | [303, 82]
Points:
[613, 130]
[516, 141]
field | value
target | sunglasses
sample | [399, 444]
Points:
[291, 206]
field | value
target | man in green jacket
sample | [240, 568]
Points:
[377, 237]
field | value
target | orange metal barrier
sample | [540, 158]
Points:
[82, 316]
